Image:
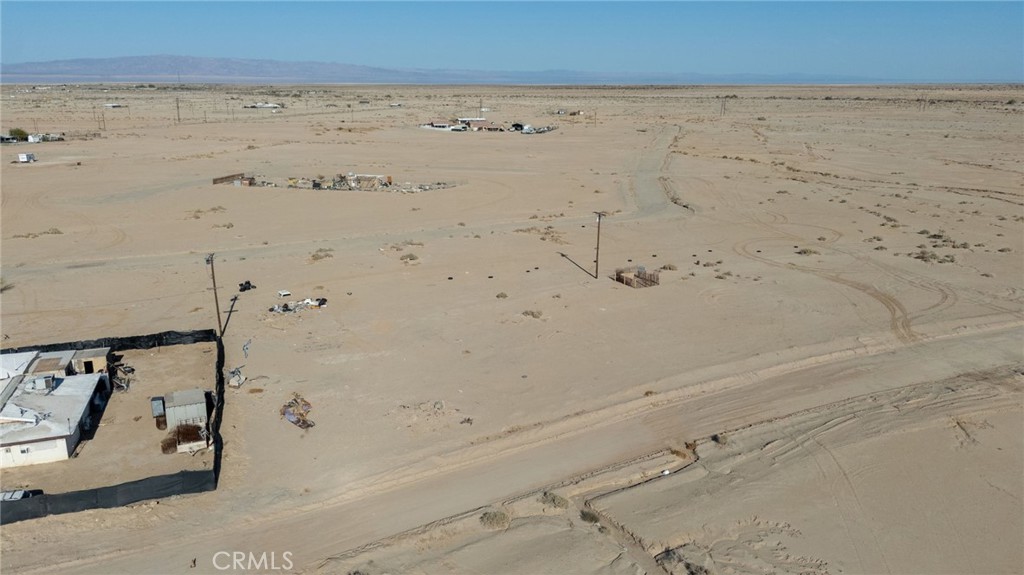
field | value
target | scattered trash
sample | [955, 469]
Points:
[236, 379]
[296, 411]
[246, 286]
[121, 376]
[294, 306]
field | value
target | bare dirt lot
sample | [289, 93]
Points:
[827, 379]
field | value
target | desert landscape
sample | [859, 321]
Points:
[826, 376]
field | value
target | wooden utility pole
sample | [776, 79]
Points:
[597, 250]
[177, 106]
[216, 300]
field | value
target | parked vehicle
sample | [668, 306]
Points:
[20, 494]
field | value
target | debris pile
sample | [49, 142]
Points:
[246, 286]
[294, 306]
[236, 378]
[637, 277]
[242, 180]
[296, 411]
[341, 182]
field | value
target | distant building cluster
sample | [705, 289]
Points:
[483, 125]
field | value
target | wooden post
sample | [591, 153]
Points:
[216, 300]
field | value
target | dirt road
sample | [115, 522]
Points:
[461, 482]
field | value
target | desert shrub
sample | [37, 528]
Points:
[19, 134]
[168, 444]
[535, 314]
[321, 254]
[495, 519]
[186, 433]
[589, 516]
[409, 257]
[807, 252]
[669, 267]
[554, 500]
[501, 295]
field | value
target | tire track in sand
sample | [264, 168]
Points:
[899, 319]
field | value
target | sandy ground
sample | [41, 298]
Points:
[840, 300]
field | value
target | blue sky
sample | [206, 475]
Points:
[899, 41]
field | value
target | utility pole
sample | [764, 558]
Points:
[177, 106]
[216, 300]
[597, 250]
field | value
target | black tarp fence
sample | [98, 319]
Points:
[156, 487]
[116, 344]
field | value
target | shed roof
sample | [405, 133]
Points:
[94, 352]
[184, 397]
[52, 361]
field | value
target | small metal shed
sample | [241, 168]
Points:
[186, 407]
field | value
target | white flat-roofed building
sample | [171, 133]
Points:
[43, 416]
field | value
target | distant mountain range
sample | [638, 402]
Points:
[189, 69]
